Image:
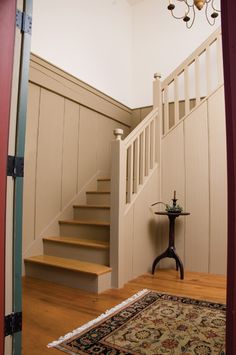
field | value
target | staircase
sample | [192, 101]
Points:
[98, 249]
[79, 257]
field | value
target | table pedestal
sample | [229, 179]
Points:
[170, 252]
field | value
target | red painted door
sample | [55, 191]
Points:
[7, 36]
[229, 56]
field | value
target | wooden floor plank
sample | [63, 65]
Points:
[51, 310]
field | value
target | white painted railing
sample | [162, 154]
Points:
[139, 154]
[197, 77]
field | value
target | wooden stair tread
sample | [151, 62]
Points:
[69, 264]
[104, 179]
[93, 206]
[78, 242]
[95, 192]
[85, 223]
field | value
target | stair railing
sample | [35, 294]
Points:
[133, 161]
[193, 80]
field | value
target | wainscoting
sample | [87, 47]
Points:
[194, 164]
[69, 132]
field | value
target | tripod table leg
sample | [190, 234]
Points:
[179, 263]
[156, 261]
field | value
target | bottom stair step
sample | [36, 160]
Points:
[73, 273]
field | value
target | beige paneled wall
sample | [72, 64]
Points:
[138, 114]
[173, 178]
[140, 224]
[194, 164]
[197, 190]
[218, 186]
[69, 131]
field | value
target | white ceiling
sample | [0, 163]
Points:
[133, 2]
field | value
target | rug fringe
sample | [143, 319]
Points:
[98, 319]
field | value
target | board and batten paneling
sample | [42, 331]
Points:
[54, 79]
[173, 179]
[194, 164]
[146, 242]
[68, 136]
[87, 145]
[197, 190]
[218, 185]
[70, 151]
[49, 159]
[138, 114]
[30, 165]
[141, 242]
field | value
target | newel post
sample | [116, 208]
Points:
[118, 187]
[156, 90]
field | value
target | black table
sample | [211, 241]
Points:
[170, 252]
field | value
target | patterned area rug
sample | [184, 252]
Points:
[152, 323]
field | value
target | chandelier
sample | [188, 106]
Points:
[211, 11]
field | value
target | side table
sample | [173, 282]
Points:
[170, 252]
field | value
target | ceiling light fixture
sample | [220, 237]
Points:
[211, 11]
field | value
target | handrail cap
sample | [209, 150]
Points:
[157, 75]
[118, 133]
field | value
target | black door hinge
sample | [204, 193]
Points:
[23, 22]
[13, 323]
[15, 166]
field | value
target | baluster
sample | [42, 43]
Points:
[158, 120]
[130, 173]
[142, 157]
[186, 90]
[136, 165]
[147, 150]
[166, 110]
[197, 81]
[176, 89]
[219, 60]
[152, 143]
[208, 70]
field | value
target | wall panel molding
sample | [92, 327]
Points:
[54, 79]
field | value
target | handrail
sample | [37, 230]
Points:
[202, 83]
[192, 56]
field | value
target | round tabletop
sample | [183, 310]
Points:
[165, 213]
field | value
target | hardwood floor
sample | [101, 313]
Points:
[51, 310]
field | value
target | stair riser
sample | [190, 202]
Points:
[85, 231]
[95, 214]
[98, 256]
[98, 199]
[95, 284]
[104, 186]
